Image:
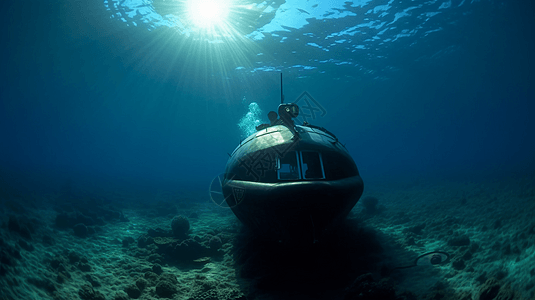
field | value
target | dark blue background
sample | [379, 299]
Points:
[85, 98]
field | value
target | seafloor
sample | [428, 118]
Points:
[117, 245]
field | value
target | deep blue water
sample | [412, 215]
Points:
[124, 93]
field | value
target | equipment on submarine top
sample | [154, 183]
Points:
[291, 182]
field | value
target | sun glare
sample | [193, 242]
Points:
[208, 13]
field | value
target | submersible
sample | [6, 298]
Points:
[291, 182]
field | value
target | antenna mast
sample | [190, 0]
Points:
[282, 95]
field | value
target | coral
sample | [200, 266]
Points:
[180, 226]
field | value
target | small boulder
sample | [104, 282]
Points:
[370, 204]
[165, 289]
[462, 240]
[120, 296]
[127, 241]
[14, 225]
[166, 286]
[84, 267]
[180, 226]
[87, 293]
[151, 277]
[489, 290]
[133, 291]
[157, 269]
[25, 245]
[64, 221]
[215, 243]
[458, 264]
[80, 230]
[141, 283]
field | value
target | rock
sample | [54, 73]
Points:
[151, 277]
[188, 250]
[48, 240]
[87, 221]
[215, 243]
[165, 289]
[489, 290]
[73, 257]
[143, 241]
[168, 277]
[462, 240]
[80, 230]
[155, 258]
[467, 255]
[14, 225]
[64, 221]
[61, 278]
[127, 241]
[499, 274]
[482, 278]
[43, 283]
[201, 288]
[141, 283]
[158, 232]
[120, 296]
[166, 286]
[406, 296]
[26, 246]
[94, 282]
[506, 293]
[157, 269]
[458, 264]
[133, 291]
[180, 226]
[416, 229]
[84, 267]
[87, 293]
[8, 256]
[91, 230]
[370, 204]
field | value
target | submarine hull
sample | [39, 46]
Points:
[293, 211]
[291, 185]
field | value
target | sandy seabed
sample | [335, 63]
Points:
[122, 246]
